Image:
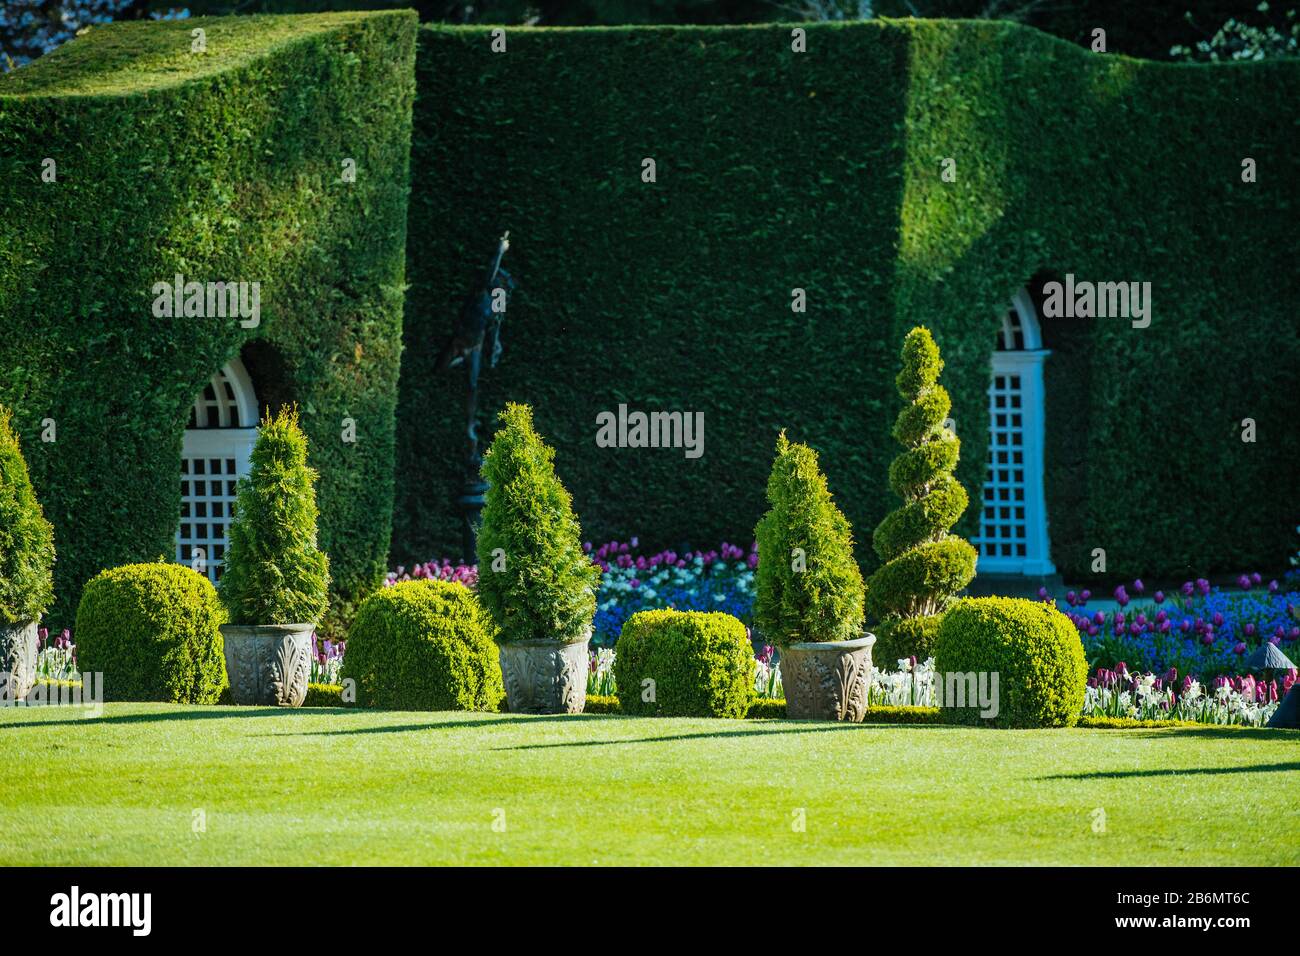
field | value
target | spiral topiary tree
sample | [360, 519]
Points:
[808, 585]
[924, 566]
[274, 573]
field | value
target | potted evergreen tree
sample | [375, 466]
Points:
[534, 578]
[810, 592]
[924, 565]
[26, 560]
[275, 583]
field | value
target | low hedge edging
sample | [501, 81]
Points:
[765, 708]
[324, 695]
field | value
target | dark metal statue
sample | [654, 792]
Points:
[478, 323]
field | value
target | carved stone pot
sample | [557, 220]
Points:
[827, 681]
[545, 677]
[268, 664]
[17, 660]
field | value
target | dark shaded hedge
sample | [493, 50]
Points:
[822, 171]
[221, 166]
[775, 171]
[152, 631]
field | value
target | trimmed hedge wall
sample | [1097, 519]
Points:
[822, 171]
[1121, 170]
[219, 166]
[775, 171]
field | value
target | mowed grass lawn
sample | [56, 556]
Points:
[353, 787]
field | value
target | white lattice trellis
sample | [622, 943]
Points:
[214, 455]
[1013, 519]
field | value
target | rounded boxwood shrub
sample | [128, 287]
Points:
[152, 631]
[533, 578]
[808, 586]
[701, 663]
[923, 565]
[26, 538]
[424, 645]
[1030, 645]
[274, 573]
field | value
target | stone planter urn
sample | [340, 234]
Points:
[268, 664]
[545, 676]
[17, 660]
[827, 681]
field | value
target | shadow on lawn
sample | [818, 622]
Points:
[806, 728]
[1212, 732]
[1190, 772]
[514, 719]
[163, 717]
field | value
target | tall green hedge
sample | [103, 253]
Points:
[225, 165]
[775, 171]
[1117, 169]
[822, 171]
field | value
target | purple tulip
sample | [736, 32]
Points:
[1239, 649]
[1244, 582]
[1138, 586]
[1160, 597]
[1085, 596]
[1188, 587]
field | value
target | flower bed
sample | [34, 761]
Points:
[720, 579]
[57, 659]
[1199, 629]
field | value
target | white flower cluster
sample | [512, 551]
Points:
[1145, 701]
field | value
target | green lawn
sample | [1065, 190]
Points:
[346, 786]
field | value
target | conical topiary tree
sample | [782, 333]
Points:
[274, 573]
[534, 578]
[809, 587]
[924, 566]
[26, 538]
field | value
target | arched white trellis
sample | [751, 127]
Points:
[214, 455]
[1013, 518]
